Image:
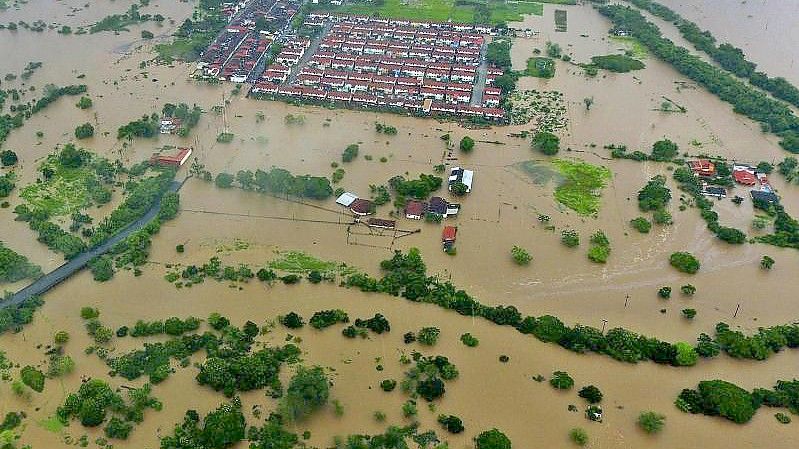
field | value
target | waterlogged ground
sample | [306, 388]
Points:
[513, 186]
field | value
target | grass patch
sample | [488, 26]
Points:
[474, 11]
[540, 67]
[51, 424]
[300, 262]
[617, 63]
[582, 186]
[632, 46]
[66, 191]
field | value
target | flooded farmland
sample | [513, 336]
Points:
[504, 209]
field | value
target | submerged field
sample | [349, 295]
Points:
[249, 249]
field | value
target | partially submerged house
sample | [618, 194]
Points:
[744, 174]
[460, 175]
[442, 207]
[414, 210]
[346, 199]
[381, 223]
[448, 235]
[173, 160]
[714, 191]
[702, 167]
[361, 207]
[764, 196]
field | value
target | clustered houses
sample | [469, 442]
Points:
[240, 47]
[742, 174]
[420, 67]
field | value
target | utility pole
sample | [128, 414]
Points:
[604, 322]
[738, 307]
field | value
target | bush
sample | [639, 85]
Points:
[147, 34]
[664, 150]
[309, 389]
[591, 394]
[766, 263]
[84, 103]
[224, 180]
[84, 131]
[782, 418]
[469, 340]
[102, 268]
[388, 385]
[492, 439]
[578, 436]
[561, 380]
[617, 63]
[467, 144]
[651, 422]
[327, 318]
[717, 397]
[61, 337]
[686, 354]
[88, 313]
[654, 195]
[570, 238]
[684, 262]
[599, 254]
[33, 378]
[451, 423]
[688, 290]
[664, 292]
[520, 255]
[292, 321]
[546, 142]
[350, 153]
[641, 225]
[428, 336]
[8, 158]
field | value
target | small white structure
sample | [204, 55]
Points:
[458, 174]
[346, 199]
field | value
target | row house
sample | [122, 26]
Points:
[456, 96]
[432, 93]
[274, 76]
[311, 71]
[264, 87]
[320, 62]
[437, 74]
[492, 91]
[309, 80]
[339, 64]
[332, 83]
[491, 101]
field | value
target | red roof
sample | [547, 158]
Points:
[448, 234]
[744, 177]
[414, 208]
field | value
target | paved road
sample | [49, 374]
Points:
[312, 49]
[53, 278]
[480, 82]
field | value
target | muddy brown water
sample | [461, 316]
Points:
[501, 212]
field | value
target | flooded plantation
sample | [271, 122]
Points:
[521, 195]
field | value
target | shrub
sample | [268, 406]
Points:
[33, 378]
[766, 263]
[561, 380]
[688, 289]
[570, 238]
[664, 292]
[388, 385]
[782, 418]
[651, 422]
[689, 313]
[717, 397]
[591, 394]
[327, 318]
[350, 153]
[492, 439]
[654, 195]
[469, 340]
[147, 34]
[520, 255]
[102, 268]
[309, 389]
[451, 423]
[84, 131]
[599, 254]
[8, 158]
[664, 150]
[266, 275]
[84, 103]
[684, 262]
[546, 142]
[292, 320]
[88, 313]
[686, 354]
[224, 180]
[428, 336]
[409, 408]
[61, 337]
[641, 225]
[578, 436]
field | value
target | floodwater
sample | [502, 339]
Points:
[501, 212]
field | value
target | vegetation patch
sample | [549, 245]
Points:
[540, 67]
[617, 63]
[582, 187]
[544, 109]
[15, 267]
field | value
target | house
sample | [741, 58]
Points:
[714, 191]
[743, 174]
[346, 199]
[448, 237]
[764, 196]
[460, 175]
[361, 207]
[442, 207]
[174, 160]
[414, 210]
[381, 223]
[169, 125]
[702, 167]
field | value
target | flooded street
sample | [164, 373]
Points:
[502, 211]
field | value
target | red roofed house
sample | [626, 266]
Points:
[448, 236]
[175, 160]
[744, 175]
[702, 167]
[361, 207]
[415, 209]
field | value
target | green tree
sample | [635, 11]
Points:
[685, 262]
[578, 436]
[84, 103]
[492, 439]
[467, 144]
[520, 255]
[546, 142]
[591, 394]
[224, 180]
[686, 354]
[766, 262]
[8, 158]
[561, 380]
[308, 390]
[651, 422]
[664, 150]
[33, 378]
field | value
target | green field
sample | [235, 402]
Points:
[583, 185]
[540, 67]
[469, 11]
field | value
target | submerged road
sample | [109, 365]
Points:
[55, 277]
